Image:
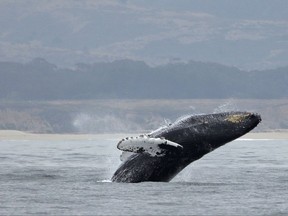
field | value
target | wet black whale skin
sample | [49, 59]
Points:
[198, 134]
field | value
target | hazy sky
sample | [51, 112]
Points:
[249, 34]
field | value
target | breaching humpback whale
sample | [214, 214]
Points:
[163, 153]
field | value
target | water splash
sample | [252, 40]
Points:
[227, 106]
[102, 123]
[105, 181]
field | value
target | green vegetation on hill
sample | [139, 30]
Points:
[126, 79]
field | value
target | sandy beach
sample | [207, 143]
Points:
[19, 135]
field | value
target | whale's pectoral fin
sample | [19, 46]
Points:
[153, 146]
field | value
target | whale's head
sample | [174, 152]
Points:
[207, 132]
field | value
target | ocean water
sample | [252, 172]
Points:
[244, 177]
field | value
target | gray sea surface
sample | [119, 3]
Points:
[244, 177]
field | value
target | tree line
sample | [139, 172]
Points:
[128, 79]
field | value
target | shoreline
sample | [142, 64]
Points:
[20, 135]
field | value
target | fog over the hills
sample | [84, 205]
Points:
[248, 34]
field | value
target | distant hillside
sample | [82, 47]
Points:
[128, 116]
[126, 79]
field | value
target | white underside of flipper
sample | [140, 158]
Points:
[155, 147]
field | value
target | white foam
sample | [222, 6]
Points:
[105, 181]
[250, 139]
